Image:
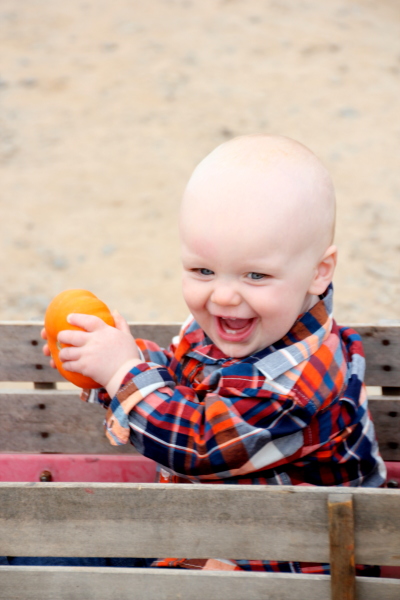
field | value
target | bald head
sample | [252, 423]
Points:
[258, 179]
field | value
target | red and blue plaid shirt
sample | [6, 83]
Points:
[293, 413]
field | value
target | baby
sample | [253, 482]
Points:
[262, 386]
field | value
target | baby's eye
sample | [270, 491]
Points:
[205, 272]
[256, 276]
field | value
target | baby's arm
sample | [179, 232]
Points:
[217, 435]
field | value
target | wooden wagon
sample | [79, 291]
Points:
[65, 491]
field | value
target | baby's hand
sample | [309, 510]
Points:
[100, 350]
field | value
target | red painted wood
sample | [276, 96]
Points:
[393, 471]
[77, 467]
[96, 468]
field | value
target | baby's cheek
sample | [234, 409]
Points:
[191, 294]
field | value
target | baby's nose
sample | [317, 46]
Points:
[225, 295]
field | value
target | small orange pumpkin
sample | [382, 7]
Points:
[67, 302]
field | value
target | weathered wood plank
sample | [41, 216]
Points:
[58, 421]
[65, 583]
[277, 523]
[68, 583]
[53, 421]
[385, 411]
[21, 358]
[382, 352]
[341, 541]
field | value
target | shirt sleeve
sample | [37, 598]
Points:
[210, 435]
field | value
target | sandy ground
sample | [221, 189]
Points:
[106, 107]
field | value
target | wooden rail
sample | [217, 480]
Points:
[20, 359]
[277, 523]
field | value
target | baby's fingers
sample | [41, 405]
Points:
[120, 322]
[74, 366]
[46, 349]
[46, 352]
[87, 322]
[73, 337]
[69, 354]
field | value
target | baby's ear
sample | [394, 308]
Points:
[324, 272]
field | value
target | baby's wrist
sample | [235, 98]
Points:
[114, 383]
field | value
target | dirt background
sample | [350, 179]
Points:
[107, 106]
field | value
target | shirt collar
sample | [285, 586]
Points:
[305, 337]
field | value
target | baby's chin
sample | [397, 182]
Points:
[236, 350]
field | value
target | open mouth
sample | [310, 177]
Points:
[235, 330]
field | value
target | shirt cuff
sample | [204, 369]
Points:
[141, 381]
[96, 396]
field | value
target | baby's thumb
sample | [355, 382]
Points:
[120, 322]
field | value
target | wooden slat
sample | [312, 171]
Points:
[385, 412]
[199, 521]
[71, 583]
[58, 421]
[53, 421]
[382, 352]
[66, 583]
[21, 357]
[341, 539]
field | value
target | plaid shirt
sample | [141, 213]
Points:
[294, 413]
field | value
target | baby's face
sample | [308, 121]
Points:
[248, 267]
